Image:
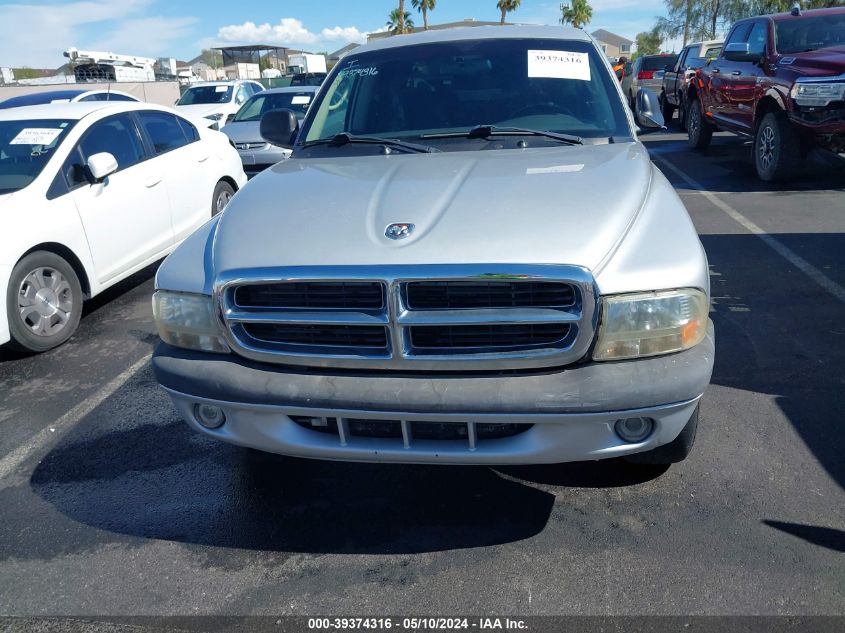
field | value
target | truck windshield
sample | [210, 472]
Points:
[25, 148]
[412, 91]
[200, 95]
[810, 33]
[255, 108]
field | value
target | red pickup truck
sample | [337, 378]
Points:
[780, 80]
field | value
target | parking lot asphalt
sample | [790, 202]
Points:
[112, 506]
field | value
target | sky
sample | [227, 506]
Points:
[35, 33]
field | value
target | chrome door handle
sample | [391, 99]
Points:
[715, 71]
[737, 72]
[152, 182]
[202, 159]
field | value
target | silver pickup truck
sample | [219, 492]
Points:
[469, 258]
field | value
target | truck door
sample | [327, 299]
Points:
[746, 77]
[721, 73]
[671, 80]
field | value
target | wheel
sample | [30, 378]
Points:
[699, 130]
[776, 148]
[675, 451]
[666, 108]
[223, 193]
[43, 302]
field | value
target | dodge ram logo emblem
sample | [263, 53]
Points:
[399, 231]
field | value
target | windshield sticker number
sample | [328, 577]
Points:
[368, 71]
[221, 88]
[559, 65]
[36, 136]
[300, 100]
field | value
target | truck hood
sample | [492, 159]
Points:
[560, 205]
[821, 63]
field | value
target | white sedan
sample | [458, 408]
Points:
[91, 193]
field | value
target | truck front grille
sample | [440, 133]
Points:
[426, 318]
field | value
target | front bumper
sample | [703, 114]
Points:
[572, 410]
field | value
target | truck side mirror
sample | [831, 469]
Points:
[280, 127]
[739, 52]
[648, 114]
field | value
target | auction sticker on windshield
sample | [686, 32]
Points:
[559, 65]
[36, 136]
[300, 100]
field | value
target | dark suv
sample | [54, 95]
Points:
[780, 80]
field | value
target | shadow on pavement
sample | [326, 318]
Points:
[823, 537]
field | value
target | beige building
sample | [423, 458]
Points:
[613, 45]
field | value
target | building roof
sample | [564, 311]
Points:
[486, 33]
[436, 27]
[606, 37]
[342, 51]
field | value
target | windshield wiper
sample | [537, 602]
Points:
[344, 138]
[486, 131]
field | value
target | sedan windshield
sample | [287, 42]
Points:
[200, 95]
[25, 148]
[255, 108]
[450, 87]
[810, 33]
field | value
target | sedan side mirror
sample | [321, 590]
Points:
[280, 127]
[648, 114]
[101, 166]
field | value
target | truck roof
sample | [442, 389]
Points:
[781, 17]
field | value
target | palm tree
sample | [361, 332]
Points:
[577, 14]
[424, 6]
[506, 6]
[398, 23]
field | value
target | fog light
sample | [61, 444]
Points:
[209, 416]
[634, 430]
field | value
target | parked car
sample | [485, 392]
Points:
[676, 81]
[780, 80]
[308, 79]
[65, 96]
[91, 193]
[646, 72]
[457, 273]
[216, 100]
[245, 127]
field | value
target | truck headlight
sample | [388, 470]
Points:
[817, 94]
[651, 323]
[187, 320]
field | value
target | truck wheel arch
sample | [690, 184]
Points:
[772, 102]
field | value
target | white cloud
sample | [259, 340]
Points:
[37, 34]
[288, 32]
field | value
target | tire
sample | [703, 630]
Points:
[43, 302]
[699, 130]
[223, 193]
[666, 109]
[675, 451]
[777, 152]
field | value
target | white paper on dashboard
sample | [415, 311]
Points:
[300, 100]
[35, 136]
[221, 88]
[559, 65]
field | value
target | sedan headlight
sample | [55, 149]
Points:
[187, 320]
[651, 323]
[817, 94]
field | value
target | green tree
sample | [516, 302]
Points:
[648, 42]
[398, 23]
[424, 6]
[578, 13]
[211, 58]
[507, 6]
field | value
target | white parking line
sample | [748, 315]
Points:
[13, 460]
[793, 258]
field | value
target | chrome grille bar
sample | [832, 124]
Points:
[570, 289]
